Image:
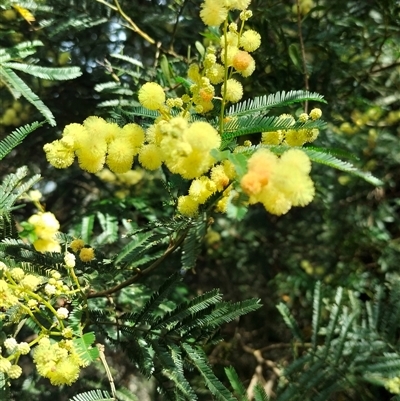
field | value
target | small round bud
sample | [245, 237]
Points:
[62, 313]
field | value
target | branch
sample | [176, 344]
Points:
[303, 53]
[140, 273]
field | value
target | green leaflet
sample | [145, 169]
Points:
[20, 87]
[58, 74]
[324, 157]
[261, 104]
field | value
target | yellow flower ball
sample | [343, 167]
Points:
[90, 161]
[274, 201]
[242, 60]
[152, 96]
[237, 4]
[201, 189]
[272, 137]
[215, 73]
[202, 136]
[234, 90]
[250, 40]
[187, 206]
[150, 157]
[296, 159]
[47, 245]
[134, 133]
[120, 156]
[98, 128]
[315, 114]
[77, 244]
[213, 13]
[86, 254]
[59, 155]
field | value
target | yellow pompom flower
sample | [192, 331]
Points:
[213, 13]
[250, 40]
[86, 254]
[77, 244]
[98, 128]
[202, 136]
[231, 40]
[297, 187]
[227, 58]
[237, 4]
[315, 114]
[295, 137]
[120, 156]
[17, 273]
[219, 177]
[215, 73]
[73, 133]
[58, 154]
[5, 365]
[30, 282]
[14, 372]
[296, 159]
[46, 225]
[234, 90]
[303, 117]
[274, 201]
[151, 95]
[201, 189]
[249, 70]
[150, 157]
[134, 134]
[187, 206]
[91, 151]
[272, 137]
[242, 60]
[47, 245]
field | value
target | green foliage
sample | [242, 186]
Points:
[166, 345]
[355, 346]
[18, 87]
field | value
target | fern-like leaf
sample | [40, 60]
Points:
[317, 302]
[199, 360]
[240, 126]
[236, 384]
[324, 157]
[16, 137]
[290, 321]
[10, 77]
[19, 51]
[192, 244]
[261, 104]
[49, 73]
[13, 186]
[93, 395]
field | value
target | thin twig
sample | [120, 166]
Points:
[103, 360]
[140, 273]
[303, 53]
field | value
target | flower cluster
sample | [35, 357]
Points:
[189, 146]
[203, 187]
[96, 142]
[58, 361]
[290, 136]
[45, 226]
[23, 295]
[85, 253]
[278, 183]
[222, 60]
